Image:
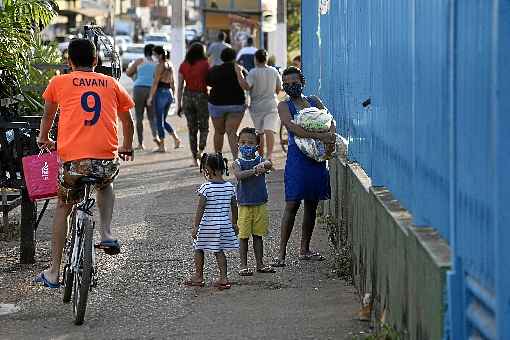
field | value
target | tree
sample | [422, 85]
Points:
[21, 22]
[293, 27]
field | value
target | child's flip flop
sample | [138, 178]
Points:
[110, 247]
[278, 263]
[245, 272]
[47, 283]
[266, 270]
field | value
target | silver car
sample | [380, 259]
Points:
[133, 52]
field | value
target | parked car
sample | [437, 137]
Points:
[123, 41]
[133, 52]
[190, 34]
[161, 39]
[63, 41]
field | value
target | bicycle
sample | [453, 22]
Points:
[80, 272]
[284, 137]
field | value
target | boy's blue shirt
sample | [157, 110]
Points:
[251, 190]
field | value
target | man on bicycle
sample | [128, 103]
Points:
[87, 144]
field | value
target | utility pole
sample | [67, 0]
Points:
[278, 39]
[178, 26]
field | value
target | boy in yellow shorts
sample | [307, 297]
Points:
[250, 169]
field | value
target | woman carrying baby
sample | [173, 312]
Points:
[305, 179]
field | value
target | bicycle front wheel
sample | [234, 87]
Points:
[68, 275]
[83, 277]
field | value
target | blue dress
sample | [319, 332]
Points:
[305, 178]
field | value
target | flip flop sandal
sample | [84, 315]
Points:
[191, 283]
[311, 257]
[42, 279]
[266, 270]
[110, 247]
[278, 263]
[222, 286]
[245, 272]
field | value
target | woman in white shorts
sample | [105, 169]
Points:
[264, 83]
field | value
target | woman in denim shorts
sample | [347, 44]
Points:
[227, 102]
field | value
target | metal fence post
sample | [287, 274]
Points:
[27, 231]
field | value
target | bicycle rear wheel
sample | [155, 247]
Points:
[83, 277]
[284, 137]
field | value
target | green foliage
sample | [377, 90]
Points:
[21, 22]
[293, 28]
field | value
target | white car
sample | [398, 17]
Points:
[190, 34]
[133, 52]
[63, 41]
[158, 39]
[123, 41]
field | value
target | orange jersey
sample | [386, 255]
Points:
[89, 103]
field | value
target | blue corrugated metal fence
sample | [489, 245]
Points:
[437, 75]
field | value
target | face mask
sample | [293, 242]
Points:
[293, 90]
[247, 151]
[155, 58]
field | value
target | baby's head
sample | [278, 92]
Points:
[213, 165]
[249, 141]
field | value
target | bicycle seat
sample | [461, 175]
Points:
[88, 180]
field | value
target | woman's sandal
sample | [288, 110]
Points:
[222, 286]
[245, 272]
[312, 256]
[278, 263]
[191, 283]
[266, 270]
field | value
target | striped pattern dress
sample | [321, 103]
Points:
[215, 232]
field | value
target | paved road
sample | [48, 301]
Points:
[140, 293]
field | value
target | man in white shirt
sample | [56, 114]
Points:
[245, 56]
[264, 83]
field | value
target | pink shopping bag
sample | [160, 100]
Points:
[40, 172]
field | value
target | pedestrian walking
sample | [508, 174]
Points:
[215, 49]
[213, 230]
[246, 55]
[305, 179]
[161, 95]
[264, 83]
[143, 69]
[253, 219]
[271, 61]
[296, 62]
[227, 101]
[192, 101]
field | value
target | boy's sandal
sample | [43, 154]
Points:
[222, 286]
[191, 283]
[266, 269]
[278, 263]
[245, 272]
[110, 247]
[46, 283]
[311, 257]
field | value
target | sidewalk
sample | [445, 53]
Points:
[140, 292]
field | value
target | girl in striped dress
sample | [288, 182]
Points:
[213, 230]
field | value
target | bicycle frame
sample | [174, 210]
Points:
[82, 211]
[79, 269]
